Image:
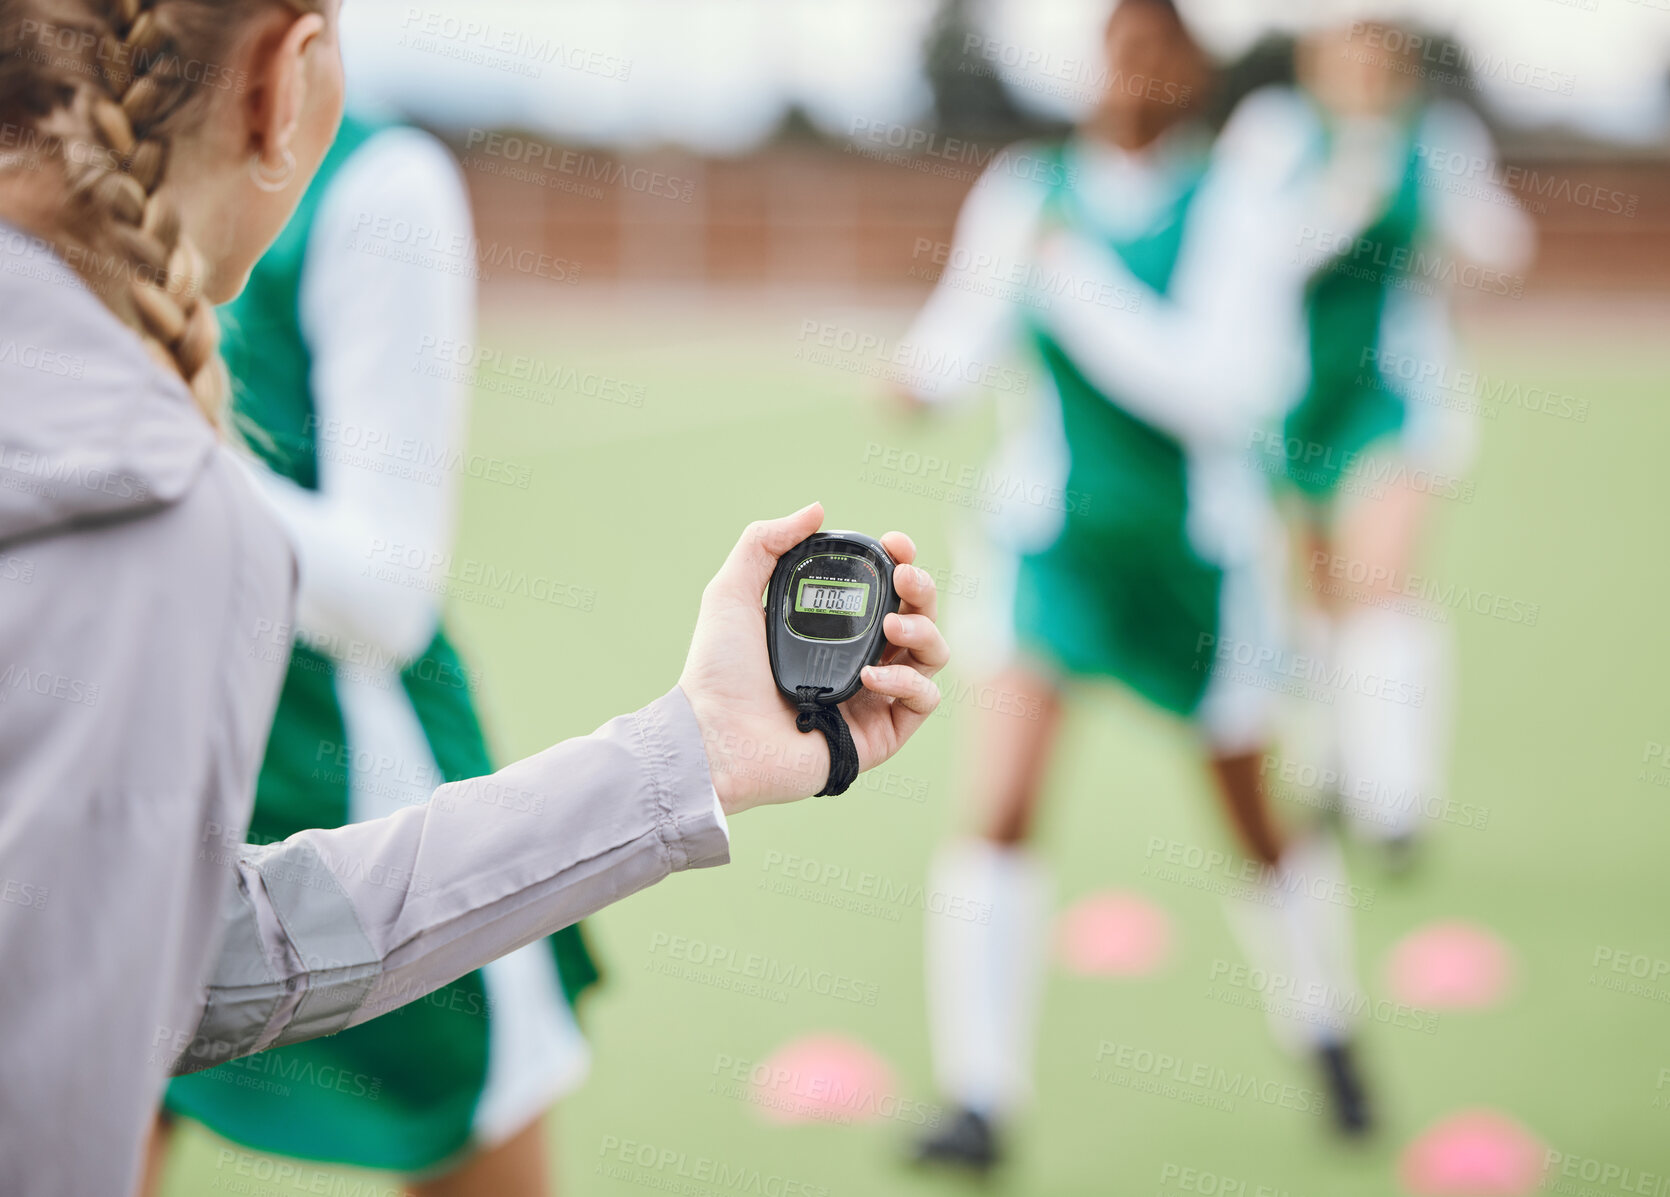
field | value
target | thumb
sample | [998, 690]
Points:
[747, 570]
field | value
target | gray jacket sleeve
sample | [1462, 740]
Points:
[330, 928]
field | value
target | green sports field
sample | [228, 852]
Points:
[660, 434]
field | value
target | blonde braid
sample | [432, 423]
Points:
[118, 188]
[106, 92]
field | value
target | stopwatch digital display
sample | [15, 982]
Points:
[824, 614]
[831, 597]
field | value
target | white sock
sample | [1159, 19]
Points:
[1296, 932]
[985, 973]
[1391, 752]
[1308, 756]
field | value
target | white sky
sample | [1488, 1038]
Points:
[717, 75]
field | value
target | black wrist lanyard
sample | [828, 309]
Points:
[843, 753]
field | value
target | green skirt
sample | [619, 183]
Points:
[1140, 608]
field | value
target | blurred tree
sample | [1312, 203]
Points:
[1267, 62]
[1442, 65]
[969, 98]
[1446, 71]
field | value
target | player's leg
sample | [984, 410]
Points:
[1013, 747]
[1292, 921]
[1239, 781]
[1391, 725]
[516, 1167]
[1309, 731]
[985, 966]
[156, 1155]
[1235, 711]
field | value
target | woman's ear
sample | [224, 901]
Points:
[279, 81]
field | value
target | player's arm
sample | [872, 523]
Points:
[372, 539]
[1223, 351]
[1471, 214]
[1217, 355]
[971, 315]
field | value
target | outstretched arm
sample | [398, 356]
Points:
[332, 927]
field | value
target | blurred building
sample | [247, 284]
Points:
[829, 144]
[800, 213]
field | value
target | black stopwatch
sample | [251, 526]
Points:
[824, 612]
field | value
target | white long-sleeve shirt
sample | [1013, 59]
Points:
[368, 320]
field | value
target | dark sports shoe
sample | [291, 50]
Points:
[965, 1141]
[1401, 854]
[1345, 1090]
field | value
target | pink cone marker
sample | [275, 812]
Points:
[1451, 966]
[1113, 934]
[824, 1078]
[1475, 1153]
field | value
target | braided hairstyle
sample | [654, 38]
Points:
[93, 91]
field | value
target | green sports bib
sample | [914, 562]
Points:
[400, 1091]
[1347, 405]
[1121, 592]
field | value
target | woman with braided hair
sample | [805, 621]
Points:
[152, 151]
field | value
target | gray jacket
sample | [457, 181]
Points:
[145, 598]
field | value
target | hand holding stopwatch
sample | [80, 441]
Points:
[735, 684]
[824, 612]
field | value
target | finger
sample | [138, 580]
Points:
[921, 636]
[909, 686]
[747, 570]
[917, 589]
[899, 547]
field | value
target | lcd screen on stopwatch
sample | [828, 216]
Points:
[834, 597]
